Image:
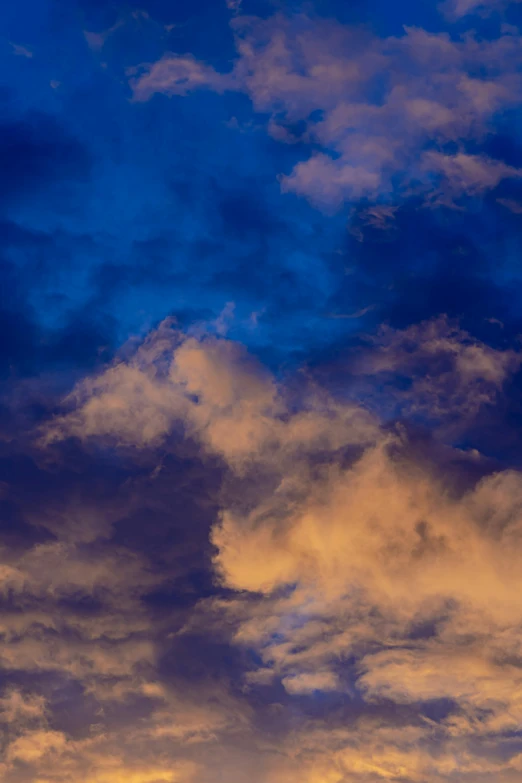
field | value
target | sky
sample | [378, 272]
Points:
[261, 391]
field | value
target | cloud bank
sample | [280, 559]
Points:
[357, 567]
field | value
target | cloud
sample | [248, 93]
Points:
[79, 591]
[31, 747]
[512, 205]
[97, 41]
[212, 388]
[233, 5]
[345, 560]
[84, 695]
[320, 73]
[17, 708]
[456, 9]
[471, 174]
[308, 683]
[174, 75]
[328, 183]
[21, 51]
[366, 556]
[435, 370]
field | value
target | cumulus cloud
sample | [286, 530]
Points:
[216, 392]
[430, 94]
[380, 580]
[348, 566]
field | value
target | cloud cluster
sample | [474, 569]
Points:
[382, 119]
[356, 568]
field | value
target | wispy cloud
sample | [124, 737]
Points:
[456, 9]
[22, 51]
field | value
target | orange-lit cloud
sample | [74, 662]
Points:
[353, 567]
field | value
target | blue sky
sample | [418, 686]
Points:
[261, 488]
[173, 206]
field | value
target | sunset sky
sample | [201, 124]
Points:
[261, 391]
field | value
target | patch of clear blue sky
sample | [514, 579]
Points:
[177, 211]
